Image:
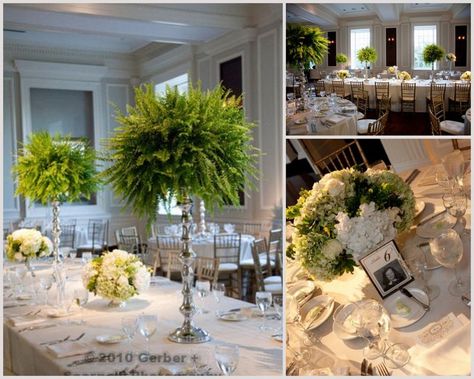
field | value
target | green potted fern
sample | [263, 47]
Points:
[181, 145]
[431, 54]
[367, 55]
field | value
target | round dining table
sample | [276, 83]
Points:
[331, 355]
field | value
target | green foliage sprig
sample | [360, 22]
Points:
[56, 169]
[341, 58]
[305, 45]
[432, 53]
[197, 143]
[367, 55]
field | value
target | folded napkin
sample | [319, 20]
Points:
[25, 320]
[334, 119]
[450, 356]
[68, 349]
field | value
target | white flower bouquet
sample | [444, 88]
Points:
[346, 215]
[343, 74]
[392, 69]
[25, 244]
[466, 75]
[404, 75]
[116, 276]
[451, 57]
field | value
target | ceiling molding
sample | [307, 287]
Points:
[32, 69]
[228, 41]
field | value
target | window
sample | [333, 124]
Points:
[180, 81]
[422, 35]
[360, 38]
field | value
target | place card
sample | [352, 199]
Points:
[437, 331]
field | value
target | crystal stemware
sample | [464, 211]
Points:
[129, 327]
[218, 290]
[227, 358]
[147, 325]
[203, 288]
[264, 300]
[447, 248]
[46, 282]
[418, 266]
[456, 205]
[81, 296]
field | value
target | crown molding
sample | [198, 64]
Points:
[228, 41]
[33, 69]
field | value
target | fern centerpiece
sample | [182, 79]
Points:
[341, 59]
[182, 145]
[431, 54]
[367, 55]
[56, 169]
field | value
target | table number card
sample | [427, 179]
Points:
[436, 331]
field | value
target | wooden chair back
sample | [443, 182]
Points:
[346, 157]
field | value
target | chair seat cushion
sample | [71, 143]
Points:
[272, 280]
[89, 246]
[274, 288]
[452, 127]
[363, 125]
[248, 263]
[360, 115]
[228, 267]
[408, 98]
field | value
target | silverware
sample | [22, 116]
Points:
[382, 370]
[35, 327]
[78, 338]
[412, 176]
[466, 300]
[370, 370]
[407, 293]
[430, 218]
[363, 367]
[55, 342]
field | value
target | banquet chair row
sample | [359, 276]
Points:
[438, 122]
[128, 239]
[345, 157]
[372, 126]
[97, 232]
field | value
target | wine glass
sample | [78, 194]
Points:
[227, 358]
[443, 180]
[81, 296]
[396, 356]
[129, 327]
[46, 282]
[218, 290]
[264, 300]
[418, 266]
[203, 288]
[456, 205]
[147, 325]
[448, 249]
[372, 322]
[278, 306]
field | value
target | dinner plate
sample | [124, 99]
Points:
[301, 289]
[107, 339]
[436, 225]
[419, 207]
[231, 316]
[301, 121]
[318, 302]
[403, 310]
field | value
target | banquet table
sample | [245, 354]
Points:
[205, 247]
[422, 91]
[340, 119]
[333, 355]
[23, 353]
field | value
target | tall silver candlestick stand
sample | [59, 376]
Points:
[187, 333]
[59, 275]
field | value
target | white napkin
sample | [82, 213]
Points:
[334, 119]
[25, 320]
[68, 349]
[451, 356]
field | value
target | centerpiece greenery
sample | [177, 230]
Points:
[341, 59]
[305, 45]
[345, 215]
[56, 168]
[181, 144]
[431, 54]
[367, 55]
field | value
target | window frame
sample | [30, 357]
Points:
[360, 27]
[437, 37]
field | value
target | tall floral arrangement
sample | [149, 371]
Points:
[341, 59]
[116, 276]
[367, 55]
[25, 244]
[345, 215]
[450, 57]
[305, 45]
[431, 54]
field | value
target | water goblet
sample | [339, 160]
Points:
[147, 325]
[227, 358]
[418, 266]
[46, 282]
[443, 180]
[264, 300]
[456, 205]
[81, 296]
[396, 356]
[218, 290]
[278, 307]
[447, 249]
[129, 327]
[203, 288]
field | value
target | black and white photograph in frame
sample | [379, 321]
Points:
[386, 269]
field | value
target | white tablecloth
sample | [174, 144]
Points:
[353, 287]
[422, 91]
[23, 354]
[205, 248]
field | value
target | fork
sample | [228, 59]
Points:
[382, 370]
[78, 338]
[54, 342]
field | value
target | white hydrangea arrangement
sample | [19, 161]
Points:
[392, 69]
[466, 75]
[404, 75]
[116, 276]
[450, 57]
[343, 74]
[25, 244]
[346, 215]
